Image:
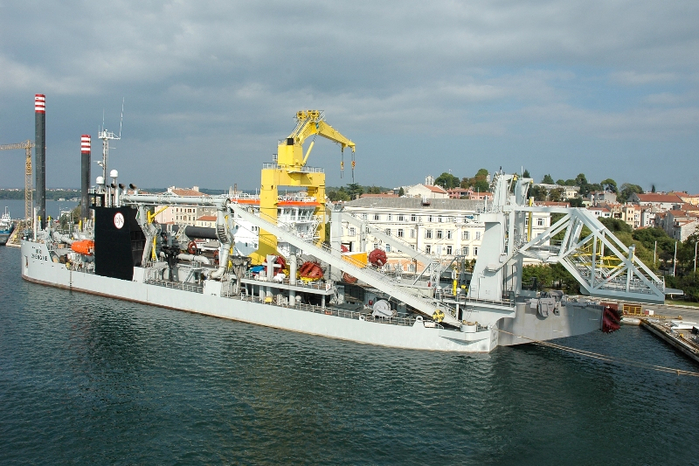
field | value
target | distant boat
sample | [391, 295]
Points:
[6, 227]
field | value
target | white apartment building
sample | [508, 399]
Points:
[183, 214]
[443, 228]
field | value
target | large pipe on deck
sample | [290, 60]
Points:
[40, 157]
[200, 232]
[85, 158]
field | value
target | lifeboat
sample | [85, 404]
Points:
[347, 278]
[85, 247]
[310, 271]
[377, 258]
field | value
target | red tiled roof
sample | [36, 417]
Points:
[435, 189]
[655, 197]
[186, 192]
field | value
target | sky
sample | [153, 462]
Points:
[607, 88]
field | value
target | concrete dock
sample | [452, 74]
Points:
[683, 340]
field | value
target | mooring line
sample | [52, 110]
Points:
[606, 358]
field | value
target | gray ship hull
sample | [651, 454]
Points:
[39, 265]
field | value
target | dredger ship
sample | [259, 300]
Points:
[314, 287]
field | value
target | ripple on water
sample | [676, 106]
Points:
[85, 379]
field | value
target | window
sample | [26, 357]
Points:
[439, 234]
[465, 235]
[388, 231]
[429, 218]
[540, 222]
[448, 250]
[412, 233]
[428, 234]
[388, 248]
[352, 231]
[475, 250]
[390, 217]
[364, 216]
[413, 218]
[478, 236]
[376, 217]
[400, 232]
[448, 234]
[428, 248]
[464, 250]
[401, 218]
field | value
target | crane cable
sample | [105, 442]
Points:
[606, 358]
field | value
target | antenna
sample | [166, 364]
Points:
[121, 120]
[106, 136]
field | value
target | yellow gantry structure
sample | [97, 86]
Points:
[291, 170]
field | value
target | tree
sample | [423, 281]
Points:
[401, 191]
[609, 185]
[354, 190]
[556, 195]
[616, 225]
[539, 193]
[547, 179]
[340, 194]
[525, 174]
[373, 190]
[481, 186]
[627, 189]
[447, 181]
[477, 183]
[585, 187]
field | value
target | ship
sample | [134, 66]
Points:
[7, 226]
[314, 286]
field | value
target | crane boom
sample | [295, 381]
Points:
[27, 146]
[308, 123]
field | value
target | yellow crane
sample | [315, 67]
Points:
[291, 170]
[28, 187]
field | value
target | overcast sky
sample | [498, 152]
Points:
[606, 88]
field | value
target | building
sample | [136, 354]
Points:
[600, 212]
[692, 199]
[444, 228]
[426, 191]
[631, 215]
[183, 214]
[458, 193]
[679, 224]
[600, 197]
[206, 221]
[658, 200]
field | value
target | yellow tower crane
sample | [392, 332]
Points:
[28, 187]
[291, 170]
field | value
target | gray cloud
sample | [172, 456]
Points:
[422, 87]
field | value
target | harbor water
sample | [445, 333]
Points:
[90, 380]
[53, 208]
